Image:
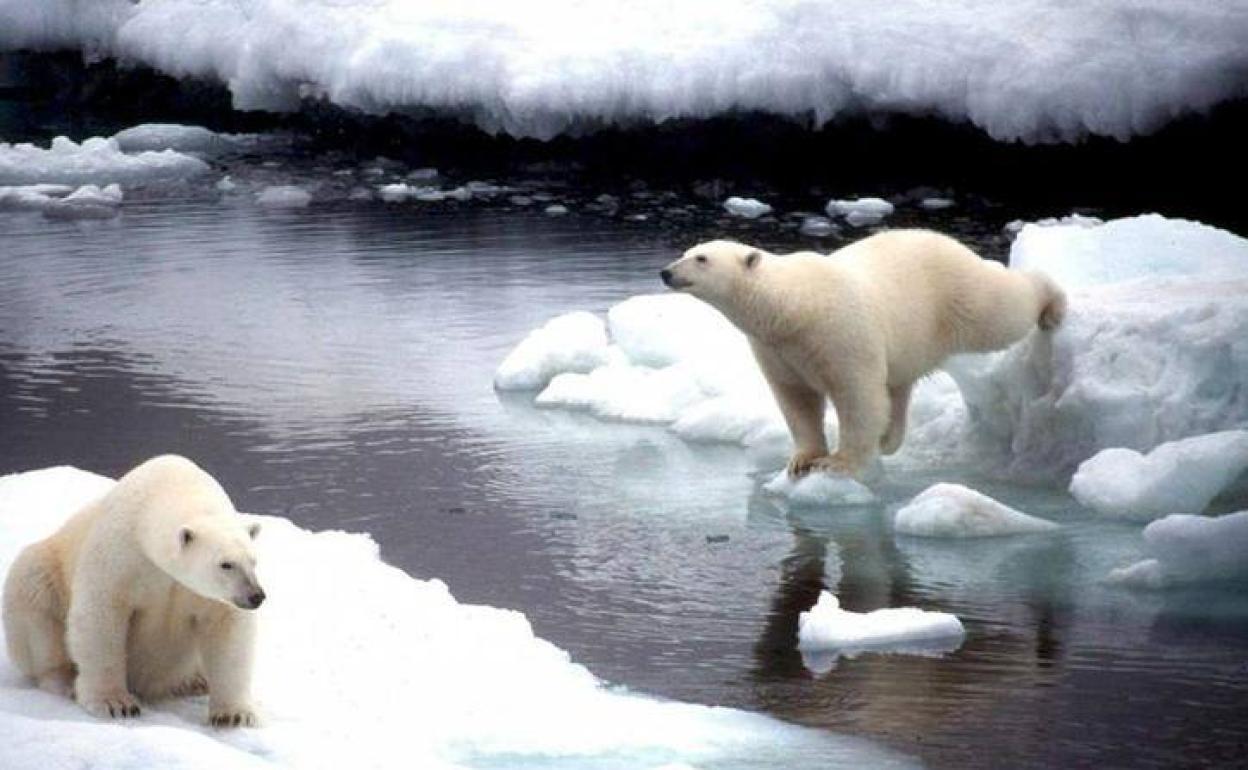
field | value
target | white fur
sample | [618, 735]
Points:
[861, 325]
[131, 597]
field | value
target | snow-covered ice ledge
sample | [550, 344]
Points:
[361, 666]
[543, 67]
[1154, 349]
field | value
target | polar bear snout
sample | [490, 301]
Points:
[674, 281]
[252, 600]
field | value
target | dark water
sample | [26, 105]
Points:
[334, 365]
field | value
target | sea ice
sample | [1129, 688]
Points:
[96, 161]
[283, 196]
[860, 212]
[87, 202]
[936, 204]
[1190, 549]
[1177, 476]
[575, 342]
[170, 136]
[360, 665]
[819, 489]
[544, 67]
[952, 510]
[826, 632]
[747, 208]
[818, 227]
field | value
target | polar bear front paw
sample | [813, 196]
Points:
[117, 705]
[192, 685]
[233, 716]
[836, 464]
[803, 462]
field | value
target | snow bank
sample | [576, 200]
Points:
[1116, 68]
[361, 666]
[819, 489]
[1182, 475]
[827, 632]
[952, 510]
[96, 161]
[1190, 549]
[1139, 361]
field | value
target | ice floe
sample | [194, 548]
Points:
[826, 632]
[360, 665]
[1189, 549]
[575, 342]
[1181, 476]
[97, 160]
[952, 510]
[861, 211]
[746, 208]
[283, 196]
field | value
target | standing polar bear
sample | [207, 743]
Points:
[861, 326]
[145, 592]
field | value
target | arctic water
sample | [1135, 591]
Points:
[334, 363]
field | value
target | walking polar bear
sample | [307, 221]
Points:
[861, 326]
[144, 593]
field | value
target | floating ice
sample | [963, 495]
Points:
[936, 204]
[284, 196]
[860, 212]
[542, 68]
[95, 161]
[556, 209]
[747, 208]
[1177, 476]
[817, 488]
[170, 136]
[952, 510]
[827, 632]
[1190, 549]
[359, 665]
[87, 202]
[818, 227]
[575, 342]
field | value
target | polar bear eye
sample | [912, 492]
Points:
[227, 565]
[701, 258]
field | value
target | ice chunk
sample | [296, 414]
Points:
[936, 204]
[483, 688]
[817, 488]
[1190, 549]
[832, 631]
[95, 161]
[818, 227]
[556, 209]
[747, 208]
[284, 196]
[952, 510]
[87, 202]
[664, 329]
[575, 342]
[1083, 251]
[1177, 476]
[860, 212]
[621, 391]
[32, 196]
[170, 136]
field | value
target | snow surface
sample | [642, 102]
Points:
[1175, 477]
[747, 208]
[1139, 361]
[359, 665]
[1190, 549]
[826, 632]
[97, 161]
[539, 68]
[952, 510]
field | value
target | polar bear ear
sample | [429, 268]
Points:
[253, 529]
[186, 536]
[751, 260]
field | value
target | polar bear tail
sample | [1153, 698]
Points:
[1052, 302]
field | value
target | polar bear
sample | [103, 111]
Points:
[861, 326]
[144, 592]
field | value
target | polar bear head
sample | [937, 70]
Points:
[216, 559]
[712, 271]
